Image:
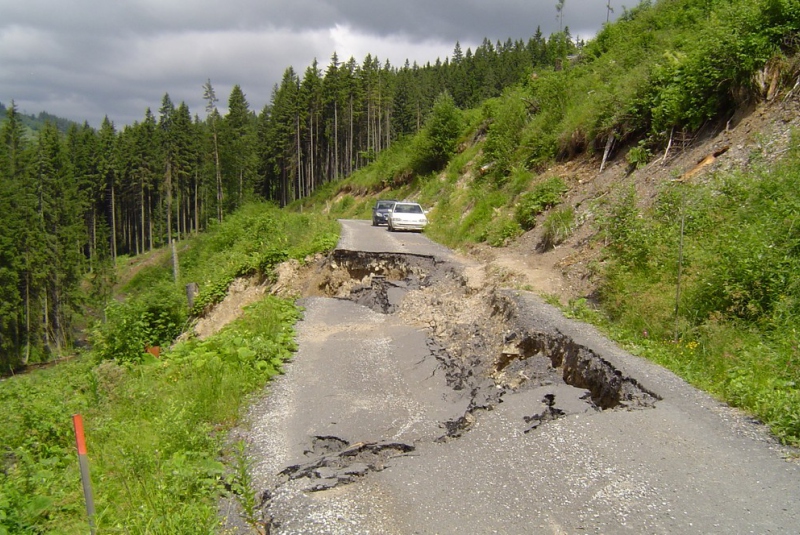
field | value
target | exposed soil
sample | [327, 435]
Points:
[752, 137]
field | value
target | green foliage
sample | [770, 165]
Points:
[342, 205]
[627, 234]
[558, 226]
[39, 477]
[544, 195]
[508, 115]
[638, 156]
[251, 241]
[154, 432]
[436, 143]
[735, 332]
[154, 318]
[502, 231]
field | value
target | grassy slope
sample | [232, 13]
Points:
[156, 428]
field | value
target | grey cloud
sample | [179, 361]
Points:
[84, 59]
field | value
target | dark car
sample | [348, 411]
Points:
[381, 211]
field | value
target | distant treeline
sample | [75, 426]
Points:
[37, 122]
[75, 198]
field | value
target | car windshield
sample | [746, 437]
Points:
[384, 205]
[408, 208]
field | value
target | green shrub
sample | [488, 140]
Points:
[502, 230]
[508, 118]
[342, 205]
[626, 232]
[558, 226]
[153, 319]
[155, 432]
[543, 196]
[734, 330]
[638, 156]
[436, 143]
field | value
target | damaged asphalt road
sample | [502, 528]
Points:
[424, 400]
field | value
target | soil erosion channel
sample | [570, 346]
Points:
[424, 399]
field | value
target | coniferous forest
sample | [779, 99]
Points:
[75, 198]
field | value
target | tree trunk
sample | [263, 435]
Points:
[168, 187]
[141, 198]
[196, 202]
[113, 223]
[219, 177]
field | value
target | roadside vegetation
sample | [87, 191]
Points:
[727, 251]
[156, 428]
[701, 278]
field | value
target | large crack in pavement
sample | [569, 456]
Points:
[485, 342]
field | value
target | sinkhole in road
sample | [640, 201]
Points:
[486, 338]
[491, 344]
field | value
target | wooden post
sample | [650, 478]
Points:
[192, 289]
[77, 422]
[174, 261]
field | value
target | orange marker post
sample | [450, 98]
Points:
[83, 460]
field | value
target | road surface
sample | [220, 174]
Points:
[354, 437]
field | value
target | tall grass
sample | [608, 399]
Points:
[735, 333]
[156, 428]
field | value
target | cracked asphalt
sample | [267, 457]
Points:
[353, 437]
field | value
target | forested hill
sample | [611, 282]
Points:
[74, 202]
[35, 123]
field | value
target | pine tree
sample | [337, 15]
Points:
[167, 138]
[239, 151]
[14, 346]
[59, 228]
[213, 119]
[107, 169]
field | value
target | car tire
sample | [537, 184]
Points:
[374, 223]
[390, 227]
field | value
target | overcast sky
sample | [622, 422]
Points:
[86, 59]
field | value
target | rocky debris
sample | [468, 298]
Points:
[486, 341]
[345, 465]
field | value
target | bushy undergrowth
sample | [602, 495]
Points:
[662, 67]
[250, 242]
[735, 333]
[154, 430]
[152, 318]
[436, 142]
[544, 195]
[558, 226]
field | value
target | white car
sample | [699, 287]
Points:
[407, 216]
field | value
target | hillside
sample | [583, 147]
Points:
[649, 184]
[35, 123]
[658, 202]
[758, 135]
[686, 256]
